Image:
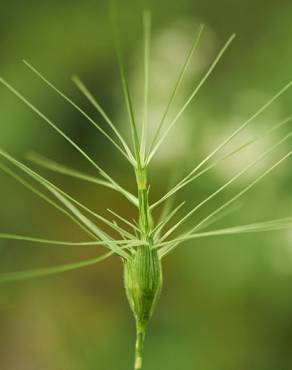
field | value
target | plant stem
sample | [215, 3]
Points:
[144, 209]
[140, 336]
[145, 228]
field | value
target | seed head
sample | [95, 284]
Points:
[143, 283]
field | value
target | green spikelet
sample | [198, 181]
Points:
[143, 282]
[149, 241]
[143, 272]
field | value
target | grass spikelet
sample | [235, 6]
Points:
[142, 244]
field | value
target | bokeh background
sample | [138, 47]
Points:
[227, 301]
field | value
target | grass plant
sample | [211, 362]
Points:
[142, 249]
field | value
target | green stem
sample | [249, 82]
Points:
[140, 336]
[145, 223]
[144, 209]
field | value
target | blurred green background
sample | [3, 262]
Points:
[227, 301]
